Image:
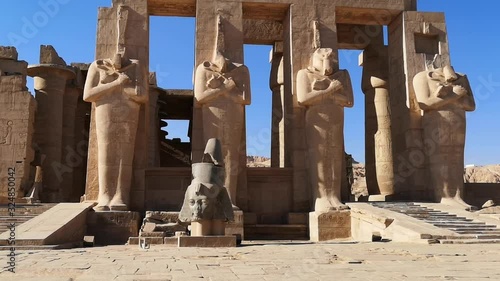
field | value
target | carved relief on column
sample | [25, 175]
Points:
[375, 85]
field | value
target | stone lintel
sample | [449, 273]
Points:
[262, 31]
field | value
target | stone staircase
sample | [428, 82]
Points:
[23, 213]
[468, 231]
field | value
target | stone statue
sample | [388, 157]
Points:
[222, 89]
[445, 96]
[117, 92]
[206, 201]
[325, 91]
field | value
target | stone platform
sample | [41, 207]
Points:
[113, 228]
[62, 224]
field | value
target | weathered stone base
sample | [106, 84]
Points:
[236, 227]
[329, 226]
[113, 228]
[207, 241]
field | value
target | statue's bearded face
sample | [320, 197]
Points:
[323, 61]
[220, 61]
[202, 207]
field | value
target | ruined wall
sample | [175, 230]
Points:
[17, 112]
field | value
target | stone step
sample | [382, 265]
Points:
[473, 228]
[485, 226]
[3, 218]
[460, 225]
[433, 220]
[43, 247]
[471, 241]
[464, 232]
[276, 232]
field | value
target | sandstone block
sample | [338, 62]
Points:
[8, 52]
[330, 225]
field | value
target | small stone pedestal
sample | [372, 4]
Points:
[113, 228]
[207, 227]
[208, 233]
[329, 226]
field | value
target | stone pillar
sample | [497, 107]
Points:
[207, 12]
[50, 79]
[81, 137]
[276, 81]
[378, 135]
[417, 41]
[129, 35]
[17, 118]
[70, 158]
[154, 141]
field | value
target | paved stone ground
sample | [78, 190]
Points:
[263, 261]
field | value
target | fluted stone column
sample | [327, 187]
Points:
[378, 138]
[50, 85]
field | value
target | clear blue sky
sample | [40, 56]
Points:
[473, 29]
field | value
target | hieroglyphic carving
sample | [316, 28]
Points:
[6, 132]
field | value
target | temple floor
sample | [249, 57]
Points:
[262, 260]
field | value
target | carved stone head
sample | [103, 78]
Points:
[207, 198]
[323, 61]
[205, 201]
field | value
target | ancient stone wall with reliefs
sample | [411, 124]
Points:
[17, 111]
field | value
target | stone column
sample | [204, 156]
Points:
[153, 142]
[378, 138]
[81, 139]
[128, 34]
[277, 86]
[70, 158]
[417, 41]
[50, 85]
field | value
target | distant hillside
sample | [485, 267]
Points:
[482, 174]
[258, 161]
